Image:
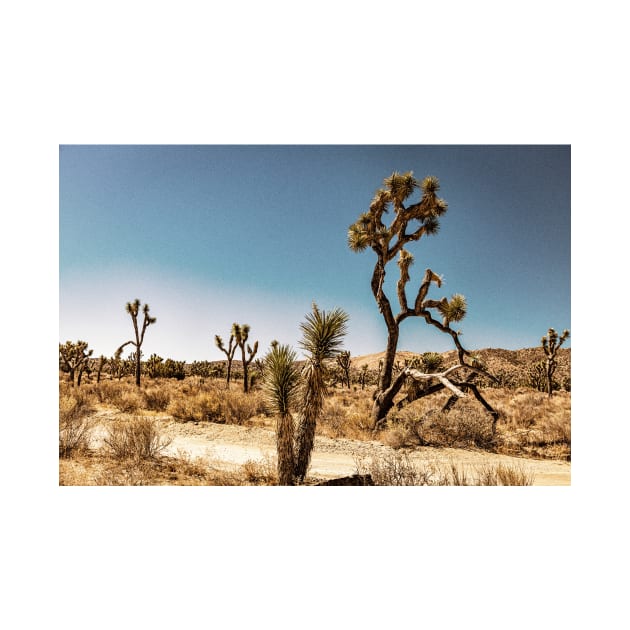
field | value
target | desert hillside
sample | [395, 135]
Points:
[510, 366]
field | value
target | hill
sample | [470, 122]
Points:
[510, 366]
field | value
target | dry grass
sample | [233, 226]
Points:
[100, 468]
[530, 425]
[75, 427]
[138, 438]
[397, 469]
[210, 401]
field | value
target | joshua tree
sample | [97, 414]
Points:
[343, 361]
[241, 334]
[102, 361]
[154, 365]
[363, 375]
[409, 223]
[73, 358]
[280, 383]
[550, 344]
[322, 335]
[229, 353]
[133, 308]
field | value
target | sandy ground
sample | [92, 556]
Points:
[231, 445]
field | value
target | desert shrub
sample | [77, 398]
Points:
[238, 407]
[127, 402]
[393, 469]
[202, 407]
[503, 475]
[262, 472]
[74, 425]
[156, 399]
[137, 438]
[534, 425]
[461, 427]
[346, 415]
[108, 391]
[397, 469]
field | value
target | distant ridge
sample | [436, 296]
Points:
[497, 360]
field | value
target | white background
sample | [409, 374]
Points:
[331, 72]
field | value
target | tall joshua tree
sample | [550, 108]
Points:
[550, 344]
[322, 336]
[133, 308]
[409, 223]
[73, 358]
[229, 353]
[241, 334]
[280, 383]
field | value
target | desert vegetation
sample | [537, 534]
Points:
[393, 413]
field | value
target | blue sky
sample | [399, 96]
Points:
[210, 235]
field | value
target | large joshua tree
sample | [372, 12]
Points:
[322, 336]
[409, 223]
[240, 332]
[551, 344]
[133, 308]
[280, 383]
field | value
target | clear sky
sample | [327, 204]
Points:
[210, 235]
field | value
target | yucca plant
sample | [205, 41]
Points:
[551, 344]
[133, 308]
[280, 385]
[431, 361]
[322, 336]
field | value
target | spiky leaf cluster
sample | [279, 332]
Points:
[552, 341]
[453, 310]
[280, 378]
[323, 333]
[369, 229]
[431, 362]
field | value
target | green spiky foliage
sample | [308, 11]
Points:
[431, 362]
[229, 353]
[73, 358]
[343, 361]
[550, 345]
[281, 378]
[133, 308]
[174, 369]
[206, 369]
[240, 332]
[408, 222]
[322, 336]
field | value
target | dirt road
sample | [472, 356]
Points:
[231, 445]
